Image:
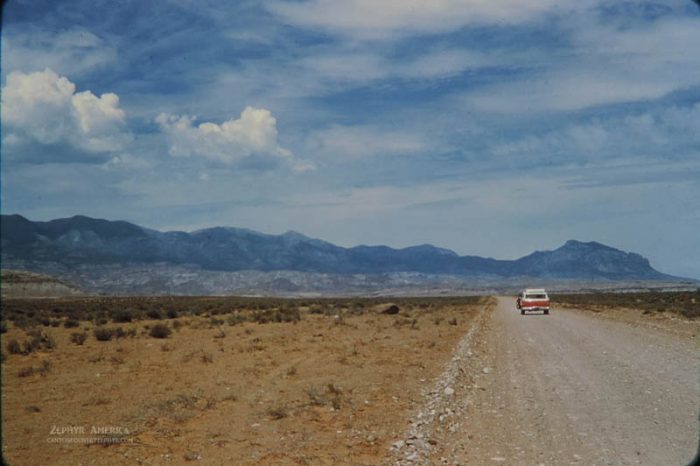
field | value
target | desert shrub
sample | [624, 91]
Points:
[55, 322]
[45, 368]
[13, 347]
[276, 315]
[103, 333]
[71, 323]
[214, 321]
[171, 314]
[122, 317]
[393, 309]
[278, 412]
[42, 370]
[234, 319]
[332, 395]
[78, 337]
[289, 315]
[316, 309]
[38, 340]
[3, 327]
[160, 331]
[154, 314]
[45, 321]
[23, 322]
[119, 333]
[207, 357]
[25, 372]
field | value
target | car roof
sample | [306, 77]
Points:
[535, 291]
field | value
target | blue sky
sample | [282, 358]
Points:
[489, 127]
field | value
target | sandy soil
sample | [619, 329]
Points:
[325, 390]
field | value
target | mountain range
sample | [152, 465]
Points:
[82, 242]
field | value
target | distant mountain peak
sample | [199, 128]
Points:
[429, 248]
[585, 244]
[295, 235]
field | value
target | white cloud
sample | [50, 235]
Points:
[607, 65]
[348, 142]
[43, 108]
[125, 161]
[652, 135]
[372, 19]
[69, 52]
[252, 136]
[343, 66]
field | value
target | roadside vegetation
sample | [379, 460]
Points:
[685, 303]
[69, 312]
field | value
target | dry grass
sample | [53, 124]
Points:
[299, 382]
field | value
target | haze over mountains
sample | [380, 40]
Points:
[89, 250]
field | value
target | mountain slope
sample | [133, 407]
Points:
[83, 241]
[22, 284]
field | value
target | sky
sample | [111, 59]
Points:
[490, 127]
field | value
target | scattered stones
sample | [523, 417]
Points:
[441, 407]
[486, 370]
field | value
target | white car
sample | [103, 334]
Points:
[533, 299]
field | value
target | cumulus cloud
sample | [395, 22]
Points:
[44, 108]
[370, 19]
[251, 139]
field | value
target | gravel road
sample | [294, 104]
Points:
[567, 388]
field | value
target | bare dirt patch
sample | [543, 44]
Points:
[323, 382]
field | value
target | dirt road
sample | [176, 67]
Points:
[567, 388]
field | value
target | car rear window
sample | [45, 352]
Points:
[536, 296]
